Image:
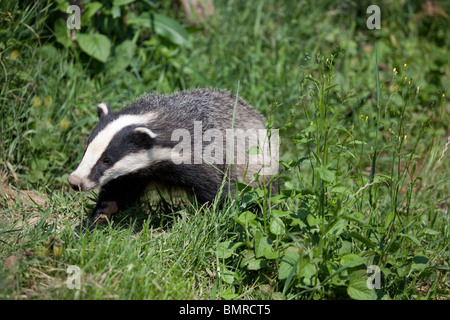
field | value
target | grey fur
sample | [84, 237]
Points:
[180, 110]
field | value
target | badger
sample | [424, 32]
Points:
[200, 141]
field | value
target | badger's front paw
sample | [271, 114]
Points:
[104, 212]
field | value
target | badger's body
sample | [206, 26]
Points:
[177, 140]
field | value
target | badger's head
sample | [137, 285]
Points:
[119, 145]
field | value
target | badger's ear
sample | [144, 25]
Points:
[144, 137]
[103, 109]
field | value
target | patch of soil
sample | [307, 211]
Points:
[12, 195]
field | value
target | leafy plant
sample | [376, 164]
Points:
[337, 215]
[112, 31]
[363, 144]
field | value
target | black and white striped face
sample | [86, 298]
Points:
[119, 145]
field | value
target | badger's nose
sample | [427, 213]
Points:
[75, 182]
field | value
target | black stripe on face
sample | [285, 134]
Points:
[123, 143]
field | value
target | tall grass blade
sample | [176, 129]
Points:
[374, 158]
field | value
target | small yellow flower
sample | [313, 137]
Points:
[409, 82]
[405, 137]
[362, 116]
[405, 78]
[57, 250]
[312, 123]
[65, 123]
[48, 101]
[37, 102]
[14, 54]
[395, 69]
[443, 95]
[367, 118]
[399, 138]
[404, 65]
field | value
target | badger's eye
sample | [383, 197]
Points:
[106, 160]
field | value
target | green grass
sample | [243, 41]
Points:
[365, 170]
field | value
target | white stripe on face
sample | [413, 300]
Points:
[99, 144]
[134, 162]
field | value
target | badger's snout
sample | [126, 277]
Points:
[77, 183]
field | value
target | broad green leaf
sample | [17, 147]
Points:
[62, 5]
[312, 220]
[337, 226]
[256, 264]
[123, 55]
[277, 199]
[247, 255]
[163, 26]
[62, 33]
[288, 262]
[402, 269]
[306, 130]
[115, 12]
[228, 293]
[125, 50]
[90, 10]
[172, 30]
[419, 263]
[277, 226]
[297, 222]
[281, 213]
[412, 238]
[358, 289]
[96, 45]
[270, 254]
[36, 175]
[340, 278]
[351, 257]
[251, 262]
[261, 243]
[306, 271]
[326, 175]
[225, 250]
[226, 275]
[246, 217]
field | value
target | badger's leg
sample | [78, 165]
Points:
[117, 195]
